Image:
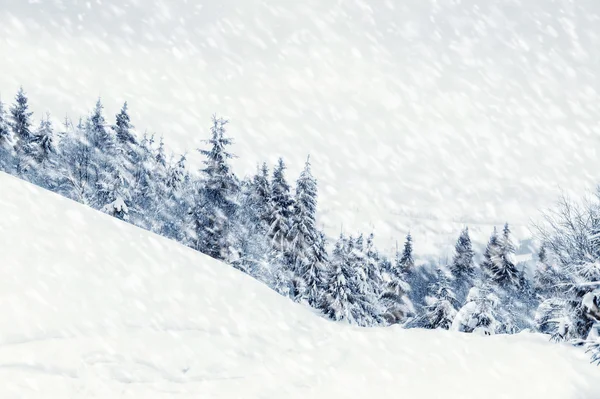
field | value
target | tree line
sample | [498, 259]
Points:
[267, 229]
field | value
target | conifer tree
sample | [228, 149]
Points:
[21, 127]
[407, 262]
[5, 133]
[6, 141]
[478, 315]
[215, 204]
[463, 267]
[441, 308]
[44, 140]
[123, 127]
[498, 260]
[281, 209]
[21, 119]
[395, 301]
[338, 301]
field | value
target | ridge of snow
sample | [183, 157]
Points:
[93, 307]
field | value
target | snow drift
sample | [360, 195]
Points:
[94, 307]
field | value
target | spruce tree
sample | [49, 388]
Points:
[338, 300]
[395, 301]
[407, 263]
[44, 142]
[98, 132]
[21, 127]
[441, 308]
[5, 133]
[501, 268]
[21, 119]
[6, 141]
[123, 127]
[281, 209]
[306, 253]
[463, 267]
[215, 204]
[478, 315]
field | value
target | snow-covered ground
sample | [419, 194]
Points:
[93, 307]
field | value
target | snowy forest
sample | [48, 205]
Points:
[266, 228]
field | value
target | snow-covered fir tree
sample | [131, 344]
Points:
[20, 123]
[216, 202]
[441, 304]
[306, 256]
[394, 299]
[337, 301]
[5, 132]
[463, 266]
[407, 262]
[281, 209]
[6, 141]
[478, 315]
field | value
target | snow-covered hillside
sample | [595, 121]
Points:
[93, 307]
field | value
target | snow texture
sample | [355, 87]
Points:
[93, 307]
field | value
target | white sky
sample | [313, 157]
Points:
[465, 111]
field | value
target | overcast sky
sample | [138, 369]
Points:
[465, 111]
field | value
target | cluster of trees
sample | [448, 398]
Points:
[262, 227]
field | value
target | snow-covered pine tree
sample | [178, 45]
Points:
[492, 254]
[262, 194]
[337, 301]
[6, 141]
[78, 173]
[507, 275]
[99, 134]
[20, 123]
[123, 127]
[395, 301]
[441, 304]
[177, 200]
[44, 145]
[478, 315]
[281, 209]
[216, 203]
[463, 266]
[306, 256]
[367, 309]
[407, 262]
[143, 183]
[373, 266]
[43, 152]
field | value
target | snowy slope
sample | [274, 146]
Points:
[93, 307]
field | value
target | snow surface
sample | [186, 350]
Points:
[93, 307]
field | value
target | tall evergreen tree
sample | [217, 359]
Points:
[338, 301]
[407, 262]
[397, 306]
[21, 122]
[303, 236]
[21, 119]
[478, 315]
[44, 142]
[5, 133]
[502, 268]
[216, 203]
[441, 308]
[281, 209]
[463, 267]
[6, 141]
[123, 127]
